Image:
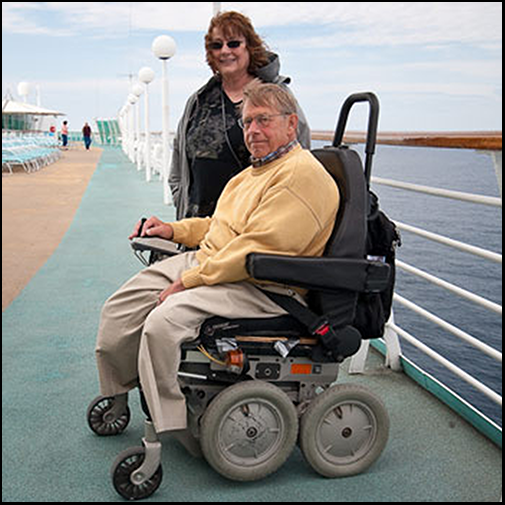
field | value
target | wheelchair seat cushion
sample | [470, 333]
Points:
[284, 326]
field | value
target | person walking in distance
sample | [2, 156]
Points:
[86, 134]
[64, 135]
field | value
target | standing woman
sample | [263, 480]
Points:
[209, 148]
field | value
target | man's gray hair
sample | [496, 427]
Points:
[274, 96]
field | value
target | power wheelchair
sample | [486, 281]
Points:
[254, 388]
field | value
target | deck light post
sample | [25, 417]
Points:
[126, 122]
[132, 100]
[164, 48]
[123, 125]
[137, 90]
[146, 76]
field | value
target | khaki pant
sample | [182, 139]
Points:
[137, 339]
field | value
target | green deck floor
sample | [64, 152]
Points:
[49, 377]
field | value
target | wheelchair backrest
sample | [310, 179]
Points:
[348, 239]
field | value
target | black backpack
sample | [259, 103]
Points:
[374, 309]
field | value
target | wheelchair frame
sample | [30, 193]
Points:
[250, 399]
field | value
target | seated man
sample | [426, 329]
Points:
[285, 203]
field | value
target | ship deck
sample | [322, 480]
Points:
[49, 377]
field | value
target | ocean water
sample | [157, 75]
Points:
[460, 170]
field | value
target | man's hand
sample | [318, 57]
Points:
[153, 228]
[176, 287]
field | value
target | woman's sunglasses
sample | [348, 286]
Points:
[232, 44]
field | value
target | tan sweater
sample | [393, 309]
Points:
[286, 207]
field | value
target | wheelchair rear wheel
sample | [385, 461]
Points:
[249, 431]
[344, 431]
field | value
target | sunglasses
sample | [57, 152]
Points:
[232, 44]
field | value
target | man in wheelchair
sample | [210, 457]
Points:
[273, 220]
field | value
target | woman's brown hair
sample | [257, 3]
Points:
[232, 24]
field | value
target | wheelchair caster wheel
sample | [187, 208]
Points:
[249, 431]
[344, 431]
[106, 417]
[123, 475]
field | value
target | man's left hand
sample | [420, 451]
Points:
[176, 287]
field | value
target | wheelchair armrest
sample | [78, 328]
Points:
[155, 245]
[320, 274]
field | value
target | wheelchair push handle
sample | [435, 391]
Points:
[373, 124]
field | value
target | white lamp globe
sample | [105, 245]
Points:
[24, 88]
[138, 90]
[146, 75]
[164, 47]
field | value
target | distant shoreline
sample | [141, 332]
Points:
[489, 141]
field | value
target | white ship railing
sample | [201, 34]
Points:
[468, 295]
[476, 251]
[479, 300]
[394, 354]
[474, 342]
[445, 193]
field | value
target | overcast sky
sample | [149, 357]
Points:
[435, 65]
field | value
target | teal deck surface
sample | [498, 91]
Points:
[49, 377]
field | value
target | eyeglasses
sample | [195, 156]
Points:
[232, 44]
[263, 120]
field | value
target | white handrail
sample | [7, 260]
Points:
[475, 342]
[445, 193]
[479, 300]
[476, 251]
[474, 298]
[495, 397]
